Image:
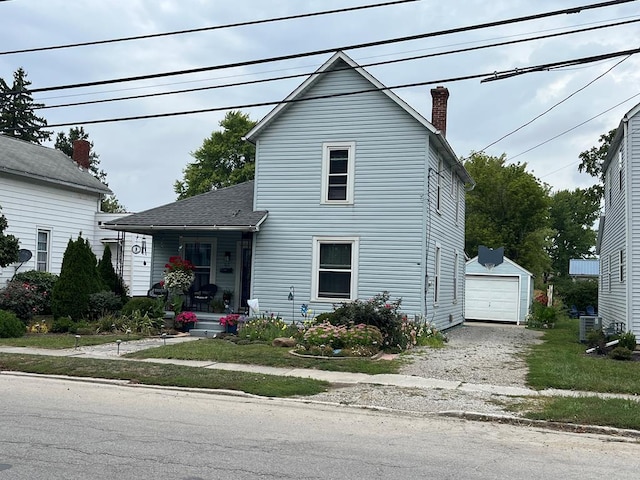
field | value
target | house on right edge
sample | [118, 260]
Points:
[619, 231]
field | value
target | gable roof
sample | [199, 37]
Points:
[45, 164]
[440, 141]
[229, 208]
[617, 138]
[506, 260]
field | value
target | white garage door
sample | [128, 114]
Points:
[492, 298]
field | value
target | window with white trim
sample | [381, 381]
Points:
[338, 172]
[335, 261]
[620, 164]
[436, 279]
[455, 276]
[621, 265]
[609, 267]
[42, 250]
[456, 197]
[439, 186]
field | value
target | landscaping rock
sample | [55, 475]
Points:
[284, 342]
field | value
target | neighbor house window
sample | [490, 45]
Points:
[335, 268]
[42, 251]
[338, 172]
[439, 186]
[620, 170]
[621, 265]
[455, 277]
[456, 196]
[609, 271]
[436, 281]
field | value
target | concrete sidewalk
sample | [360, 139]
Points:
[114, 351]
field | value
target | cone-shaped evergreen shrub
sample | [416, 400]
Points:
[110, 278]
[78, 279]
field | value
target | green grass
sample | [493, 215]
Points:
[561, 362]
[166, 375]
[619, 413]
[262, 354]
[63, 340]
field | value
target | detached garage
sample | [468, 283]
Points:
[501, 293]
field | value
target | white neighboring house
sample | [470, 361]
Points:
[618, 244]
[49, 199]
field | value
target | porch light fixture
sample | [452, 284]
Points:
[292, 299]
[227, 257]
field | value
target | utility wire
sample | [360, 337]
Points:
[344, 94]
[204, 29]
[385, 62]
[555, 105]
[574, 127]
[331, 50]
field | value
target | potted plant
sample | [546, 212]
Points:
[230, 322]
[227, 295]
[178, 277]
[185, 321]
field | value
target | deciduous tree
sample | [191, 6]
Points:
[9, 245]
[224, 159]
[508, 208]
[64, 143]
[591, 162]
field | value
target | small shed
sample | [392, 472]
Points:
[501, 293]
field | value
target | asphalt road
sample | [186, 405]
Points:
[60, 429]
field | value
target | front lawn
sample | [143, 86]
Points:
[63, 340]
[216, 350]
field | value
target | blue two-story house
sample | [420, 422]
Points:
[355, 193]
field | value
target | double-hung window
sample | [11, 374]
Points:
[436, 286]
[338, 172]
[335, 262]
[42, 251]
[439, 185]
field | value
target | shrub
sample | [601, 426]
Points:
[542, 316]
[328, 339]
[103, 303]
[627, 340]
[596, 338]
[10, 325]
[580, 294]
[44, 283]
[78, 279]
[152, 307]
[266, 328]
[139, 322]
[110, 278]
[63, 325]
[23, 299]
[620, 353]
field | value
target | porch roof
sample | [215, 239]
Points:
[229, 208]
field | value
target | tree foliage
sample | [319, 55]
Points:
[508, 208]
[9, 245]
[78, 280]
[64, 143]
[224, 159]
[109, 276]
[591, 162]
[17, 111]
[572, 215]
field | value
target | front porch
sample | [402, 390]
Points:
[208, 325]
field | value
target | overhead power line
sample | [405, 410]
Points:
[583, 60]
[384, 62]
[331, 50]
[204, 29]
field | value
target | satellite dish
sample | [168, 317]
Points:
[24, 255]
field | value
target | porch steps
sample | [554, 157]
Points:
[206, 329]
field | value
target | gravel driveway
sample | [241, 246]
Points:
[477, 352]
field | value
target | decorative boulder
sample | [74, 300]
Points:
[284, 342]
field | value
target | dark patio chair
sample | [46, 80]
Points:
[573, 312]
[157, 290]
[590, 310]
[203, 296]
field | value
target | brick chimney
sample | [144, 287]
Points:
[439, 109]
[81, 153]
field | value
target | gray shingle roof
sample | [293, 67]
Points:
[45, 164]
[229, 208]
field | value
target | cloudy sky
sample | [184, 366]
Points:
[143, 158]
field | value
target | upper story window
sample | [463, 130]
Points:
[439, 185]
[620, 165]
[455, 276]
[436, 276]
[621, 265]
[42, 251]
[338, 172]
[456, 196]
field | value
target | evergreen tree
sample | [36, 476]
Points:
[78, 279]
[109, 276]
[17, 117]
[9, 245]
[64, 143]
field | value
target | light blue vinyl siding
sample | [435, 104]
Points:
[389, 214]
[632, 168]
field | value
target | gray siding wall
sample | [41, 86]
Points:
[389, 213]
[632, 167]
[612, 296]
